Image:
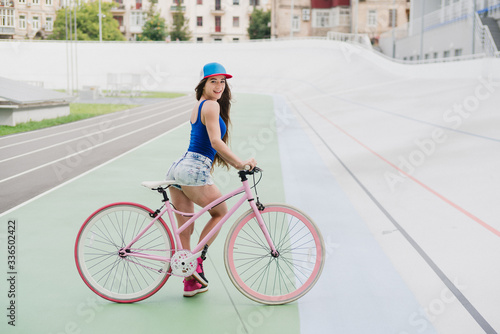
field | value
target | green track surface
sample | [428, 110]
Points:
[52, 298]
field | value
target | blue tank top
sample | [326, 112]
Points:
[200, 141]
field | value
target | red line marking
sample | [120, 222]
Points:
[446, 200]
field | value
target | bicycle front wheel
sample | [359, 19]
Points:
[269, 279]
[123, 279]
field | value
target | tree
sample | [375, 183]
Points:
[87, 23]
[259, 27]
[180, 30]
[155, 28]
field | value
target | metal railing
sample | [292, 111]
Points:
[361, 39]
[483, 34]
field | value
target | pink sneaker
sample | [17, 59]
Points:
[199, 274]
[193, 287]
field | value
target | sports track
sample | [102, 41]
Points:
[397, 164]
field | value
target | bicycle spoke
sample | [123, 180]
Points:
[117, 278]
[263, 277]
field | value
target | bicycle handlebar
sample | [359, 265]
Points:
[254, 170]
[243, 173]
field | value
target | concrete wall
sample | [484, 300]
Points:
[13, 116]
[447, 38]
[281, 66]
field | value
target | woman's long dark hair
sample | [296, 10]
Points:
[225, 108]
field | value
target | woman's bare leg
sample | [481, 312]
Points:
[184, 204]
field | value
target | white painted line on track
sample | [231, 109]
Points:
[88, 172]
[90, 133]
[91, 148]
[154, 107]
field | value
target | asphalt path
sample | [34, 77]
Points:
[33, 162]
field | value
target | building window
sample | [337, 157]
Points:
[236, 39]
[254, 2]
[236, 2]
[22, 1]
[296, 23]
[22, 21]
[372, 18]
[199, 21]
[49, 24]
[458, 52]
[176, 2]
[6, 18]
[36, 2]
[391, 12]
[435, 55]
[321, 18]
[36, 22]
[236, 21]
[218, 24]
[345, 17]
[199, 39]
[306, 14]
[119, 19]
[199, 2]
[48, 2]
[137, 18]
[446, 54]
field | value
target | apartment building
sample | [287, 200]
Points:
[291, 18]
[299, 18]
[220, 20]
[375, 17]
[447, 28]
[27, 19]
[207, 20]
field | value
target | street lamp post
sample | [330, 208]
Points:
[100, 22]
[393, 28]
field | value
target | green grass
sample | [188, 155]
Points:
[149, 94]
[78, 111]
[161, 95]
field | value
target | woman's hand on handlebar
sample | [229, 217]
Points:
[248, 164]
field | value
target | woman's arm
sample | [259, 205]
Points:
[210, 117]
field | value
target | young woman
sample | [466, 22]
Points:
[210, 120]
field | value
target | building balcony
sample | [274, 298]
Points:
[136, 29]
[7, 31]
[177, 9]
[217, 31]
[118, 8]
[218, 10]
[7, 3]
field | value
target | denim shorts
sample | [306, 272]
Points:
[192, 169]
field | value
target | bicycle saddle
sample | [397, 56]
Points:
[156, 184]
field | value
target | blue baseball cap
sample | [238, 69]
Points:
[213, 69]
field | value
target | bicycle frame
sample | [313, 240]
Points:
[247, 196]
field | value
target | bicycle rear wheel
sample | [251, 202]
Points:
[123, 279]
[274, 280]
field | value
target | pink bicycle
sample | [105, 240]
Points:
[274, 253]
